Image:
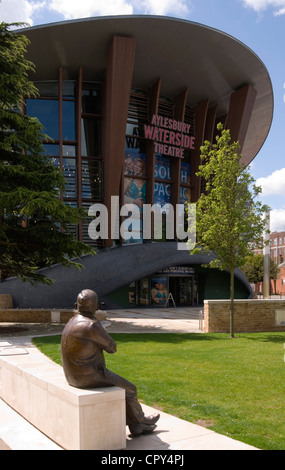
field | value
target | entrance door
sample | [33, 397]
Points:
[182, 290]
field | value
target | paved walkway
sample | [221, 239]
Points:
[171, 433]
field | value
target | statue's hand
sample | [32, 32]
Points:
[100, 315]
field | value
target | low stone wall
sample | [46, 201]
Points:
[31, 315]
[6, 301]
[250, 315]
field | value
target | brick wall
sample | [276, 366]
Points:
[6, 301]
[15, 315]
[250, 315]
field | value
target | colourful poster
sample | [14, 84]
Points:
[159, 291]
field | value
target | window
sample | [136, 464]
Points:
[91, 137]
[162, 185]
[48, 89]
[68, 89]
[63, 150]
[185, 192]
[47, 112]
[91, 98]
[92, 179]
[135, 192]
[68, 121]
[135, 178]
[51, 149]
[72, 227]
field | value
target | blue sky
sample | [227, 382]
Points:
[260, 24]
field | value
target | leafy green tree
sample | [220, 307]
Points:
[228, 216]
[33, 220]
[253, 269]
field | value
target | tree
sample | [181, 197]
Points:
[33, 220]
[228, 218]
[253, 269]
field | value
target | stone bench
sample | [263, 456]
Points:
[75, 419]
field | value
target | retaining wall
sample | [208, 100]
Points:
[32, 315]
[250, 315]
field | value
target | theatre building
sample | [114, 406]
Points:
[127, 102]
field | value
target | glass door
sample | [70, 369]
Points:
[186, 291]
[182, 290]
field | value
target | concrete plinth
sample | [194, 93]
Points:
[73, 418]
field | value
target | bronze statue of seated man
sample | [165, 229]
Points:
[82, 344]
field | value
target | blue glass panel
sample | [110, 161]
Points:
[92, 180]
[185, 194]
[68, 89]
[69, 172]
[133, 144]
[68, 120]
[68, 150]
[47, 113]
[185, 173]
[51, 149]
[162, 168]
[162, 193]
[91, 137]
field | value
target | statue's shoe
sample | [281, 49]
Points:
[140, 428]
[151, 419]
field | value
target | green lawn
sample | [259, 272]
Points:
[236, 385]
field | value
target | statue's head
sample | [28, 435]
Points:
[87, 302]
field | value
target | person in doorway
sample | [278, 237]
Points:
[82, 344]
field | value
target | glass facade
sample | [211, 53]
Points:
[135, 170]
[174, 286]
[47, 112]
[71, 115]
[72, 133]
[144, 167]
[77, 154]
[162, 184]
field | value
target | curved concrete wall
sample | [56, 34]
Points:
[105, 272]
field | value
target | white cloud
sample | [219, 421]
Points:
[273, 184]
[277, 220]
[19, 10]
[262, 5]
[163, 7]
[24, 10]
[280, 12]
[72, 9]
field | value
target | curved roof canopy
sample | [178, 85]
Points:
[184, 54]
[104, 273]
